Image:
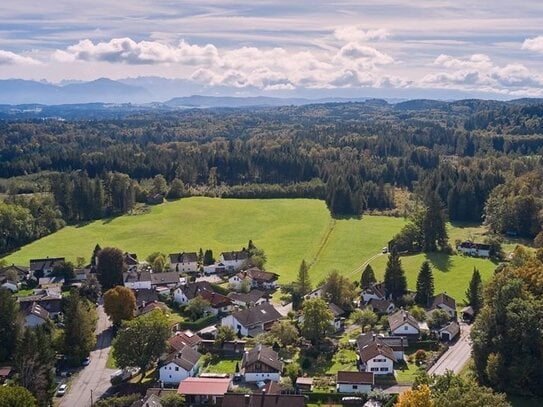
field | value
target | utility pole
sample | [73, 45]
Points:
[92, 402]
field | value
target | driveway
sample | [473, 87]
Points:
[457, 356]
[92, 380]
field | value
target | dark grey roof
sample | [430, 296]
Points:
[261, 314]
[444, 299]
[185, 358]
[47, 263]
[262, 354]
[170, 277]
[258, 275]
[148, 401]
[397, 343]
[263, 400]
[21, 271]
[453, 328]
[37, 310]
[133, 276]
[191, 290]
[145, 295]
[336, 310]
[248, 298]
[377, 289]
[183, 257]
[379, 305]
[130, 259]
[235, 255]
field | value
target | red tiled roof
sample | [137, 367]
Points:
[194, 386]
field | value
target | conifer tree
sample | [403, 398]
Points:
[474, 292]
[425, 285]
[368, 277]
[303, 281]
[395, 281]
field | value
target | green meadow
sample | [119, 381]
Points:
[289, 230]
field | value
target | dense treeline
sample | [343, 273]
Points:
[352, 155]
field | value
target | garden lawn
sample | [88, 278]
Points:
[222, 365]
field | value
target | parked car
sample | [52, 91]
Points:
[384, 250]
[61, 391]
[86, 361]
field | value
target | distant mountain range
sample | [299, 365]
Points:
[177, 93]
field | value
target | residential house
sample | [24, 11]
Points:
[49, 299]
[183, 294]
[184, 262]
[304, 384]
[233, 348]
[150, 400]
[449, 332]
[218, 303]
[470, 248]
[167, 279]
[316, 293]
[179, 365]
[204, 390]
[376, 291]
[261, 363]
[10, 285]
[402, 323]
[150, 307]
[398, 344]
[377, 358]
[446, 303]
[254, 278]
[35, 316]
[250, 299]
[252, 321]
[137, 280]
[144, 296]
[44, 267]
[14, 272]
[338, 321]
[5, 373]
[263, 399]
[184, 338]
[233, 260]
[380, 307]
[215, 268]
[51, 282]
[354, 382]
[131, 262]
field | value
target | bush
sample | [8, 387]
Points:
[199, 323]
[420, 356]
[118, 401]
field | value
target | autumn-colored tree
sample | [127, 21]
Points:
[119, 304]
[420, 397]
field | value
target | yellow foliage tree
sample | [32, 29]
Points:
[420, 397]
[119, 304]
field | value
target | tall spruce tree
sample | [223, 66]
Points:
[10, 324]
[80, 319]
[474, 293]
[303, 281]
[368, 277]
[425, 285]
[433, 224]
[395, 281]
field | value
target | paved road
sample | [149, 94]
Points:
[95, 377]
[457, 355]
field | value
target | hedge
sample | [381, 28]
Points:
[199, 323]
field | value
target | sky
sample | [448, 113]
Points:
[481, 47]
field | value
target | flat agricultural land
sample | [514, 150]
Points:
[289, 230]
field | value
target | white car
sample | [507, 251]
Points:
[62, 390]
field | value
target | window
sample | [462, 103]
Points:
[405, 327]
[384, 369]
[355, 387]
[374, 369]
[176, 369]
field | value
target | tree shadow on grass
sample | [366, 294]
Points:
[440, 261]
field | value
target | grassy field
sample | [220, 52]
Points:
[289, 230]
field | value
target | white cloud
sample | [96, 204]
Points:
[128, 51]
[10, 58]
[353, 33]
[533, 44]
[479, 72]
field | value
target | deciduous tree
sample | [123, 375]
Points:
[141, 341]
[110, 267]
[119, 304]
[197, 307]
[80, 322]
[316, 320]
[419, 397]
[16, 396]
[285, 332]
[10, 324]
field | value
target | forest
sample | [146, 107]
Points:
[352, 155]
